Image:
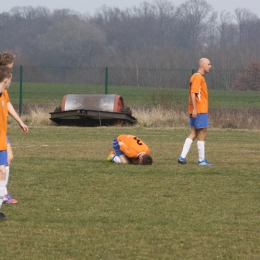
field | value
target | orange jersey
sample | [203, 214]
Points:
[4, 99]
[198, 86]
[5, 93]
[132, 146]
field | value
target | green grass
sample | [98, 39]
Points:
[52, 94]
[75, 205]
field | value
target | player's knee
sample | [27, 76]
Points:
[202, 135]
[192, 136]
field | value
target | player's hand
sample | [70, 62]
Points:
[24, 127]
[121, 143]
[194, 113]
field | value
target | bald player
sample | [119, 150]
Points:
[198, 111]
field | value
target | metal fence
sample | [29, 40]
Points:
[139, 87]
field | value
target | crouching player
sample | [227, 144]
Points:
[130, 149]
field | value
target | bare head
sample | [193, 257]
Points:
[204, 65]
[7, 60]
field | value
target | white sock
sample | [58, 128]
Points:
[2, 192]
[201, 150]
[186, 147]
[116, 159]
[6, 178]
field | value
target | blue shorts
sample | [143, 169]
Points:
[7, 139]
[3, 157]
[201, 121]
[117, 147]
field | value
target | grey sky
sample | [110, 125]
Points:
[89, 6]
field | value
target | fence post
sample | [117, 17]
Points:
[21, 90]
[106, 81]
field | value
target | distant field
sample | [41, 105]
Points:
[52, 94]
[73, 204]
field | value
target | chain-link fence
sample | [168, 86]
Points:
[139, 87]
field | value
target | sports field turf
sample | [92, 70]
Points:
[42, 94]
[73, 204]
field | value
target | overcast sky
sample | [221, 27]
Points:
[89, 6]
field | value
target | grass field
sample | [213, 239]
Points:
[52, 94]
[73, 204]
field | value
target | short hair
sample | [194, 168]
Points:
[5, 73]
[6, 58]
[147, 160]
[202, 61]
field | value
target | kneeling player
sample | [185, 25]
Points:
[130, 149]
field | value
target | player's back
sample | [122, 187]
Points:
[134, 145]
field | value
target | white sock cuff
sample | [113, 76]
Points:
[186, 147]
[2, 192]
[201, 150]
[200, 142]
[116, 159]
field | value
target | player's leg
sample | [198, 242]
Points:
[201, 143]
[118, 157]
[189, 140]
[9, 151]
[202, 124]
[8, 199]
[123, 159]
[10, 158]
[3, 163]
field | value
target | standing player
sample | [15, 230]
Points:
[7, 60]
[5, 81]
[198, 110]
[130, 149]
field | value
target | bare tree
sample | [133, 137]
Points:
[72, 42]
[20, 31]
[227, 29]
[30, 13]
[210, 34]
[248, 24]
[165, 14]
[154, 34]
[192, 16]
